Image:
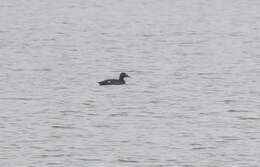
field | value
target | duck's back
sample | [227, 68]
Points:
[111, 82]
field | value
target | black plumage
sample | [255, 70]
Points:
[119, 81]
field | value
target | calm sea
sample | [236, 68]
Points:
[193, 99]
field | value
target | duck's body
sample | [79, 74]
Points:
[112, 82]
[119, 81]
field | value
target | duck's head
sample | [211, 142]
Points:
[123, 75]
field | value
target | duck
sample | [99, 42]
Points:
[119, 81]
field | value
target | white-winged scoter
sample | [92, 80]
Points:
[119, 81]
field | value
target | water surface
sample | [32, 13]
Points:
[192, 99]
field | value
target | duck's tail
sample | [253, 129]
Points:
[100, 83]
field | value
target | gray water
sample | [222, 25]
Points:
[193, 99]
